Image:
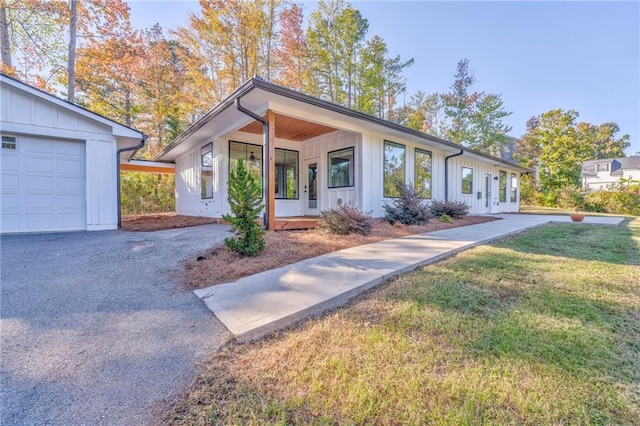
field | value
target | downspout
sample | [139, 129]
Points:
[265, 159]
[130, 148]
[446, 174]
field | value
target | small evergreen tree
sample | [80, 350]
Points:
[245, 200]
[409, 208]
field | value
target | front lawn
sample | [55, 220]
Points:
[543, 328]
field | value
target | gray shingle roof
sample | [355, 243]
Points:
[617, 165]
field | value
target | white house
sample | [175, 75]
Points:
[59, 167]
[601, 174]
[314, 155]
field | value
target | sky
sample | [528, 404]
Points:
[538, 55]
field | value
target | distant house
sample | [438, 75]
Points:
[600, 174]
[315, 155]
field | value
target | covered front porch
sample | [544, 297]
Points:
[306, 167]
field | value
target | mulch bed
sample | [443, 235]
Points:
[221, 265]
[160, 221]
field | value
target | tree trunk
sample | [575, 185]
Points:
[5, 46]
[71, 64]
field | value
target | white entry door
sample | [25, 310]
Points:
[311, 185]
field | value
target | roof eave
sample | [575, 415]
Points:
[118, 129]
[257, 83]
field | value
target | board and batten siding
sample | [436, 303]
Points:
[190, 203]
[373, 172]
[318, 148]
[480, 171]
[25, 115]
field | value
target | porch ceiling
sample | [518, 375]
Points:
[293, 129]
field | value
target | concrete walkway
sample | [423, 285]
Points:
[259, 304]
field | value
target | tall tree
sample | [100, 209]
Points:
[556, 144]
[426, 114]
[163, 102]
[460, 104]
[228, 42]
[108, 74]
[372, 98]
[488, 132]
[292, 53]
[335, 35]
[5, 44]
[32, 48]
[71, 61]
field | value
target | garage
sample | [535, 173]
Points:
[42, 184]
[58, 163]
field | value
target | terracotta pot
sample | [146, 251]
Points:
[577, 217]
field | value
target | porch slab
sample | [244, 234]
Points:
[259, 304]
[296, 223]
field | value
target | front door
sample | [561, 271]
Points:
[487, 193]
[311, 183]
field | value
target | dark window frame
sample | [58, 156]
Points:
[203, 182]
[9, 142]
[415, 170]
[502, 186]
[463, 181]
[260, 147]
[297, 197]
[353, 154]
[514, 189]
[384, 166]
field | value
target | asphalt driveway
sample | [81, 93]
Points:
[94, 328]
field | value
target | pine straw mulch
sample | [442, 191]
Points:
[160, 221]
[220, 265]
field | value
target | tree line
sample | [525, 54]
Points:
[160, 81]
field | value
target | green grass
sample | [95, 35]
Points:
[542, 328]
[558, 210]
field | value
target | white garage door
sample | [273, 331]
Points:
[42, 185]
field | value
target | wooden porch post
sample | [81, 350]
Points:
[271, 152]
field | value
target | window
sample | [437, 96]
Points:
[286, 174]
[503, 186]
[206, 171]
[8, 142]
[602, 167]
[514, 188]
[341, 168]
[422, 178]
[251, 154]
[467, 180]
[394, 167]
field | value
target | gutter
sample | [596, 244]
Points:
[446, 174]
[265, 159]
[130, 148]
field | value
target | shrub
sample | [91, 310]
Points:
[570, 197]
[409, 208]
[445, 218]
[147, 192]
[454, 209]
[346, 219]
[245, 200]
[616, 202]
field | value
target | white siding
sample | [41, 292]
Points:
[476, 200]
[188, 196]
[373, 159]
[189, 202]
[319, 148]
[26, 115]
